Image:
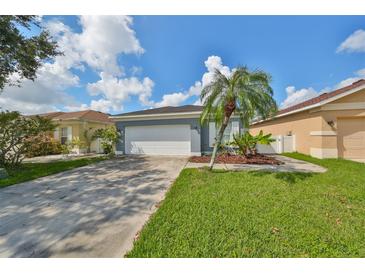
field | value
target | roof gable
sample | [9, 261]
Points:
[90, 115]
[321, 98]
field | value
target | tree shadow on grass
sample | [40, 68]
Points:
[206, 169]
[288, 177]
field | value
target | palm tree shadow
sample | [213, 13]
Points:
[288, 177]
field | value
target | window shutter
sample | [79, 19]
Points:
[235, 129]
[212, 133]
[56, 134]
[69, 134]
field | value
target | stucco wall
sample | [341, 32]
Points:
[199, 133]
[316, 130]
[78, 128]
[300, 125]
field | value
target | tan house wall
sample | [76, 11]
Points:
[78, 128]
[316, 130]
[300, 125]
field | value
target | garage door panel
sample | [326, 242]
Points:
[158, 140]
[352, 138]
[164, 148]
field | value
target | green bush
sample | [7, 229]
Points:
[247, 142]
[109, 136]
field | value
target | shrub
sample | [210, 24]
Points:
[109, 136]
[16, 135]
[42, 145]
[247, 143]
[77, 143]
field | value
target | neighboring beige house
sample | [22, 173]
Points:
[328, 126]
[73, 125]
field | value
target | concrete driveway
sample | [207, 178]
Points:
[92, 211]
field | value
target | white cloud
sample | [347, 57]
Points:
[42, 95]
[177, 98]
[24, 107]
[195, 89]
[173, 99]
[354, 43]
[360, 74]
[296, 96]
[101, 40]
[198, 102]
[102, 105]
[118, 90]
[214, 63]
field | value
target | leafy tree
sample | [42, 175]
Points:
[109, 136]
[16, 135]
[245, 93]
[20, 54]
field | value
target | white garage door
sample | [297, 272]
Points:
[158, 140]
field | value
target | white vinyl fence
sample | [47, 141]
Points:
[281, 144]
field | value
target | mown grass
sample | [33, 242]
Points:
[30, 171]
[260, 214]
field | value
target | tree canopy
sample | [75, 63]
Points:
[21, 54]
[244, 93]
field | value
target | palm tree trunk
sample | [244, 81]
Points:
[218, 141]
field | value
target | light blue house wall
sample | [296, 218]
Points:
[199, 133]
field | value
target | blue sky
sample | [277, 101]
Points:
[165, 55]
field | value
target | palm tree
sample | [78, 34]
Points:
[245, 93]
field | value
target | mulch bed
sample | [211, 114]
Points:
[258, 159]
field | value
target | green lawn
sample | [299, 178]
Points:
[30, 171]
[260, 214]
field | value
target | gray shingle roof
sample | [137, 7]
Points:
[163, 110]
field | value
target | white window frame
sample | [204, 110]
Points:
[64, 134]
[232, 128]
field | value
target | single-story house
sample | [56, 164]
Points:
[72, 125]
[168, 131]
[331, 125]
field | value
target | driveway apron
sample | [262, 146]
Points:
[92, 211]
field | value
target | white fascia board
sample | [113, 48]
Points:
[334, 98]
[160, 116]
[156, 116]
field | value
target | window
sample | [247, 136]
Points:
[63, 135]
[232, 128]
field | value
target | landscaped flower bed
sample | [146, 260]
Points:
[257, 159]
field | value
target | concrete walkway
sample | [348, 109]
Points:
[92, 211]
[290, 165]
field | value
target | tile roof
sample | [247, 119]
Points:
[90, 115]
[164, 110]
[321, 97]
